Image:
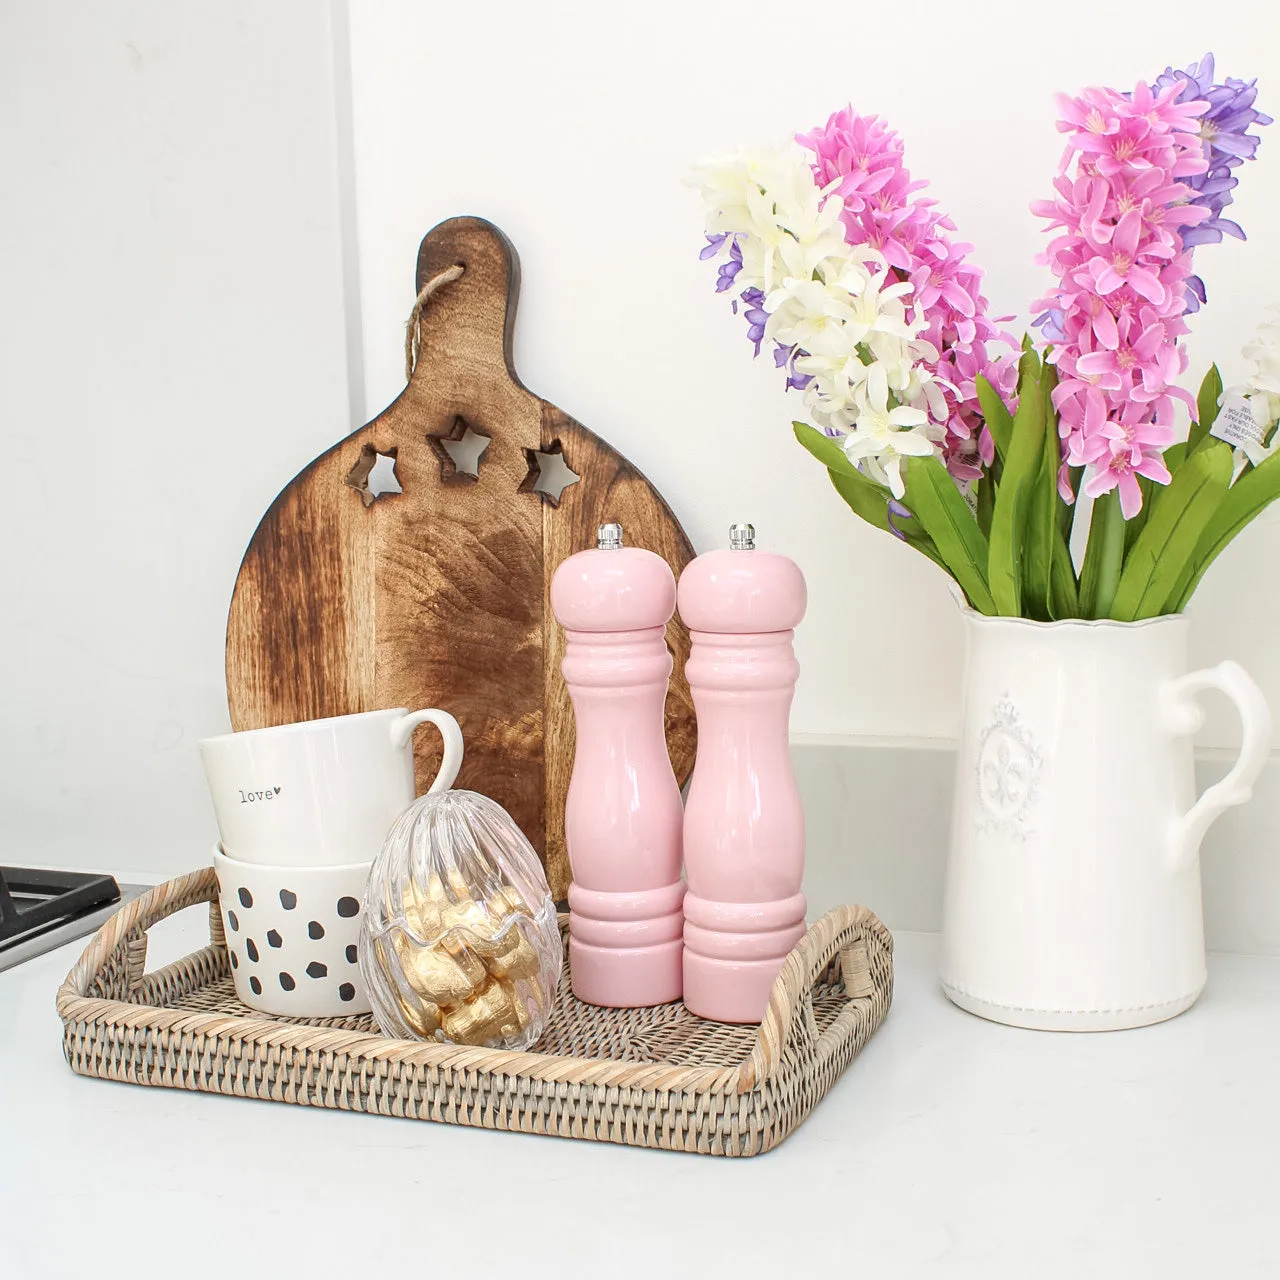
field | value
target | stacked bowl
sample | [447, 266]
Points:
[302, 811]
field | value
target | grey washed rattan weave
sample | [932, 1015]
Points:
[656, 1077]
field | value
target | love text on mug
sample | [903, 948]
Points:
[252, 797]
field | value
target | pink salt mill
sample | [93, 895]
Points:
[743, 823]
[623, 816]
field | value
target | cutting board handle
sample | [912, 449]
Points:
[478, 310]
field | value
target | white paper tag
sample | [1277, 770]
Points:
[969, 492]
[1235, 422]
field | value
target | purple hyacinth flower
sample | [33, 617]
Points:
[897, 509]
[1195, 295]
[712, 247]
[1050, 323]
[783, 358]
[755, 315]
[729, 269]
[1224, 129]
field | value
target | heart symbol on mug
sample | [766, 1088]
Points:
[277, 791]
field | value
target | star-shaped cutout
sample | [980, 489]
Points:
[374, 474]
[549, 474]
[461, 450]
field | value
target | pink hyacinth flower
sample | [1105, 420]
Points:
[883, 209]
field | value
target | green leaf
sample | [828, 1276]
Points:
[1061, 596]
[936, 502]
[1132, 528]
[1064, 599]
[1154, 494]
[1167, 544]
[1206, 407]
[1067, 514]
[1174, 456]
[825, 449]
[1251, 494]
[1103, 557]
[985, 496]
[995, 414]
[1042, 520]
[861, 494]
[866, 498]
[1022, 468]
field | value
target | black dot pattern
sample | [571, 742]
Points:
[347, 907]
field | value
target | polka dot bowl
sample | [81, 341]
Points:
[292, 936]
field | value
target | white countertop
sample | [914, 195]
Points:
[951, 1147]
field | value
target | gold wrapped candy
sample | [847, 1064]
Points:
[465, 979]
[444, 973]
[422, 1016]
[495, 1011]
[511, 956]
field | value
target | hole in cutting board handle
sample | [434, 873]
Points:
[461, 450]
[374, 474]
[549, 473]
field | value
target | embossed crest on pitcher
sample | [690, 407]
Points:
[1008, 772]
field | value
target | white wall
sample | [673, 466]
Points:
[171, 352]
[172, 335]
[572, 126]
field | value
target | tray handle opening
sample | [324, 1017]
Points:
[848, 932]
[126, 932]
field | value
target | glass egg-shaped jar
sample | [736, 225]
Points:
[460, 942]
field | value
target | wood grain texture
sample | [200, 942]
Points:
[438, 595]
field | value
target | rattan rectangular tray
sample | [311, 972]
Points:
[657, 1077]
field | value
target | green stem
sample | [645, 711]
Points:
[1103, 557]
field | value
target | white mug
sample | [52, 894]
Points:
[293, 936]
[320, 792]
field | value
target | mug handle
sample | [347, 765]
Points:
[402, 730]
[1183, 715]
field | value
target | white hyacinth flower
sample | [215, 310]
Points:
[836, 305]
[769, 202]
[884, 435]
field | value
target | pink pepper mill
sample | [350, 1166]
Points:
[623, 815]
[743, 822]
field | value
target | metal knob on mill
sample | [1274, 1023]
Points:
[623, 817]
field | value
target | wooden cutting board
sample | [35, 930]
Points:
[437, 595]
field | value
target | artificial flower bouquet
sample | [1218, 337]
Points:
[938, 426]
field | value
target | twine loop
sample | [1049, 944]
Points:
[413, 327]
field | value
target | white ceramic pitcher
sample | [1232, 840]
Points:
[1073, 886]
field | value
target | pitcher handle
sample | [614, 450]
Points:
[1183, 715]
[402, 729]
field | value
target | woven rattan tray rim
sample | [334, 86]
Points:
[125, 933]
